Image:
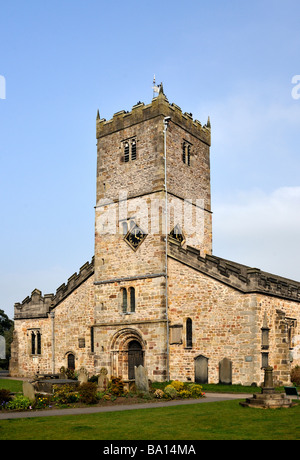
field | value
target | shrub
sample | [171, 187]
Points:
[64, 394]
[295, 375]
[185, 394]
[195, 390]
[41, 401]
[159, 394]
[170, 391]
[116, 386]
[71, 374]
[20, 402]
[177, 385]
[88, 393]
[4, 398]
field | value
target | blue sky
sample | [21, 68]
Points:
[63, 60]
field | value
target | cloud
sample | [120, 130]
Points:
[260, 229]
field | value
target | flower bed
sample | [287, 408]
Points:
[88, 394]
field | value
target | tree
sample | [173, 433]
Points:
[5, 322]
[6, 331]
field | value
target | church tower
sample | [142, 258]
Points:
[153, 180]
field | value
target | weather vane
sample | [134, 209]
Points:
[155, 88]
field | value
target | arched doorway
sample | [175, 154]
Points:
[71, 361]
[135, 357]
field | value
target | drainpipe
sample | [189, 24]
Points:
[52, 316]
[166, 122]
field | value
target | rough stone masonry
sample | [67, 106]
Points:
[154, 294]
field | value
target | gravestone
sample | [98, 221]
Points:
[225, 372]
[83, 375]
[28, 390]
[141, 379]
[201, 369]
[103, 379]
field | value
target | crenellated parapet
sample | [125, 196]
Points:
[159, 106]
[35, 306]
[245, 279]
[39, 306]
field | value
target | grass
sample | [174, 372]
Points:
[15, 386]
[225, 420]
[217, 388]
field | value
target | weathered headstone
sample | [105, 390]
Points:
[141, 379]
[28, 390]
[83, 375]
[62, 373]
[225, 372]
[201, 369]
[103, 379]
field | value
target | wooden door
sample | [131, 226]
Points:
[135, 357]
[71, 361]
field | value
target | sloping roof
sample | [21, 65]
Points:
[241, 277]
[38, 306]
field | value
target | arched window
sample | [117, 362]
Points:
[132, 299]
[71, 361]
[124, 300]
[130, 150]
[189, 155]
[186, 153]
[183, 152]
[189, 333]
[133, 150]
[126, 152]
[38, 343]
[32, 343]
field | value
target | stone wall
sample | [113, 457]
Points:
[73, 318]
[228, 323]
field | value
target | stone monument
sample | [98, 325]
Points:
[268, 399]
[103, 379]
[83, 375]
[29, 390]
[141, 379]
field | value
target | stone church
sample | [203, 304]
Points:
[154, 294]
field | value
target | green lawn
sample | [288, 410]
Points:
[225, 420]
[16, 386]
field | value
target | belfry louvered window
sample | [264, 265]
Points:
[133, 149]
[126, 152]
[186, 153]
[129, 150]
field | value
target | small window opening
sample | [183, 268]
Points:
[189, 333]
[183, 152]
[126, 152]
[133, 150]
[132, 299]
[124, 300]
